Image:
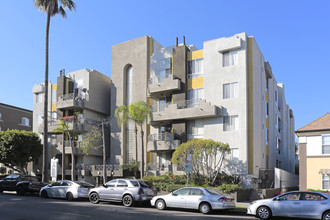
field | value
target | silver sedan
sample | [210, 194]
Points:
[298, 204]
[203, 199]
[66, 189]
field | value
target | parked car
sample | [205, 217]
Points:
[298, 204]
[203, 199]
[21, 184]
[66, 189]
[127, 191]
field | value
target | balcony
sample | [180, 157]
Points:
[77, 126]
[76, 149]
[71, 101]
[112, 170]
[160, 87]
[162, 142]
[188, 109]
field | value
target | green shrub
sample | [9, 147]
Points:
[229, 188]
[319, 190]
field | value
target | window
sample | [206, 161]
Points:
[112, 183]
[25, 121]
[326, 144]
[276, 98]
[195, 129]
[196, 192]
[129, 85]
[54, 96]
[182, 192]
[230, 90]
[290, 196]
[266, 83]
[234, 154]
[314, 197]
[0, 116]
[267, 136]
[163, 74]
[122, 183]
[229, 58]
[325, 181]
[195, 68]
[230, 123]
[194, 96]
[39, 97]
[267, 109]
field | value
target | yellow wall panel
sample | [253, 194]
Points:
[195, 83]
[267, 96]
[195, 55]
[54, 107]
[313, 175]
[267, 123]
[250, 107]
[54, 87]
[267, 150]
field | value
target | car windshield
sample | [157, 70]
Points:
[212, 191]
[84, 184]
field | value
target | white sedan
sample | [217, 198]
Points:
[298, 204]
[203, 199]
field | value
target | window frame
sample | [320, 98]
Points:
[324, 144]
[229, 58]
[25, 121]
[231, 125]
[233, 90]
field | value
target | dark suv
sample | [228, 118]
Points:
[21, 184]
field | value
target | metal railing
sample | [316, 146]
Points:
[195, 75]
[180, 105]
[158, 78]
[161, 137]
[108, 166]
[66, 97]
[160, 166]
[72, 96]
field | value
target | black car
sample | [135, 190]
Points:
[21, 184]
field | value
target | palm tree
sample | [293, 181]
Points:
[51, 8]
[64, 130]
[139, 113]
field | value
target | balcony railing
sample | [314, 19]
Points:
[180, 105]
[66, 97]
[195, 75]
[160, 137]
[158, 78]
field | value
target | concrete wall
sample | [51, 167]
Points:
[285, 179]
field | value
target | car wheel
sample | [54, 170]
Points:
[44, 194]
[128, 200]
[205, 208]
[326, 215]
[69, 196]
[94, 198]
[160, 204]
[264, 213]
[20, 191]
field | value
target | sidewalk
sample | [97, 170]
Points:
[242, 204]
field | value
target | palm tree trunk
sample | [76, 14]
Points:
[142, 160]
[104, 155]
[73, 162]
[136, 145]
[45, 173]
[63, 157]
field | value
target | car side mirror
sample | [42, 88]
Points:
[276, 199]
[104, 185]
[174, 194]
[50, 185]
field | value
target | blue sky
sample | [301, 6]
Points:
[293, 36]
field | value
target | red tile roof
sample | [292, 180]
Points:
[322, 123]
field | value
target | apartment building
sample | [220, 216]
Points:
[224, 91]
[314, 154]
[12, 117]
[82, 99]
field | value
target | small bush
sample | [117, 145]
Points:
[319, 190]
[229, 188]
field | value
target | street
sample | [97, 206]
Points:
[32, 207]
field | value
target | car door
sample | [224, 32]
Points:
[52, 190]
[108, 190]
[62, 189]
[313, 204]
[194, 198]
[5, 182]
[287, 205]
[11, 183]
[119, 190]
[178, 198]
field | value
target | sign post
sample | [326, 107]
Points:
[188, 167]
[53, 168]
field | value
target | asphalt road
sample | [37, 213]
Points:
[13, 207]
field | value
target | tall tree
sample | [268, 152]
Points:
[51, 8]
[63, 129]
[207, 157]
[138, 112]
[17, 148]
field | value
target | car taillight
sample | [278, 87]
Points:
[225, 199]
[140, 191]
